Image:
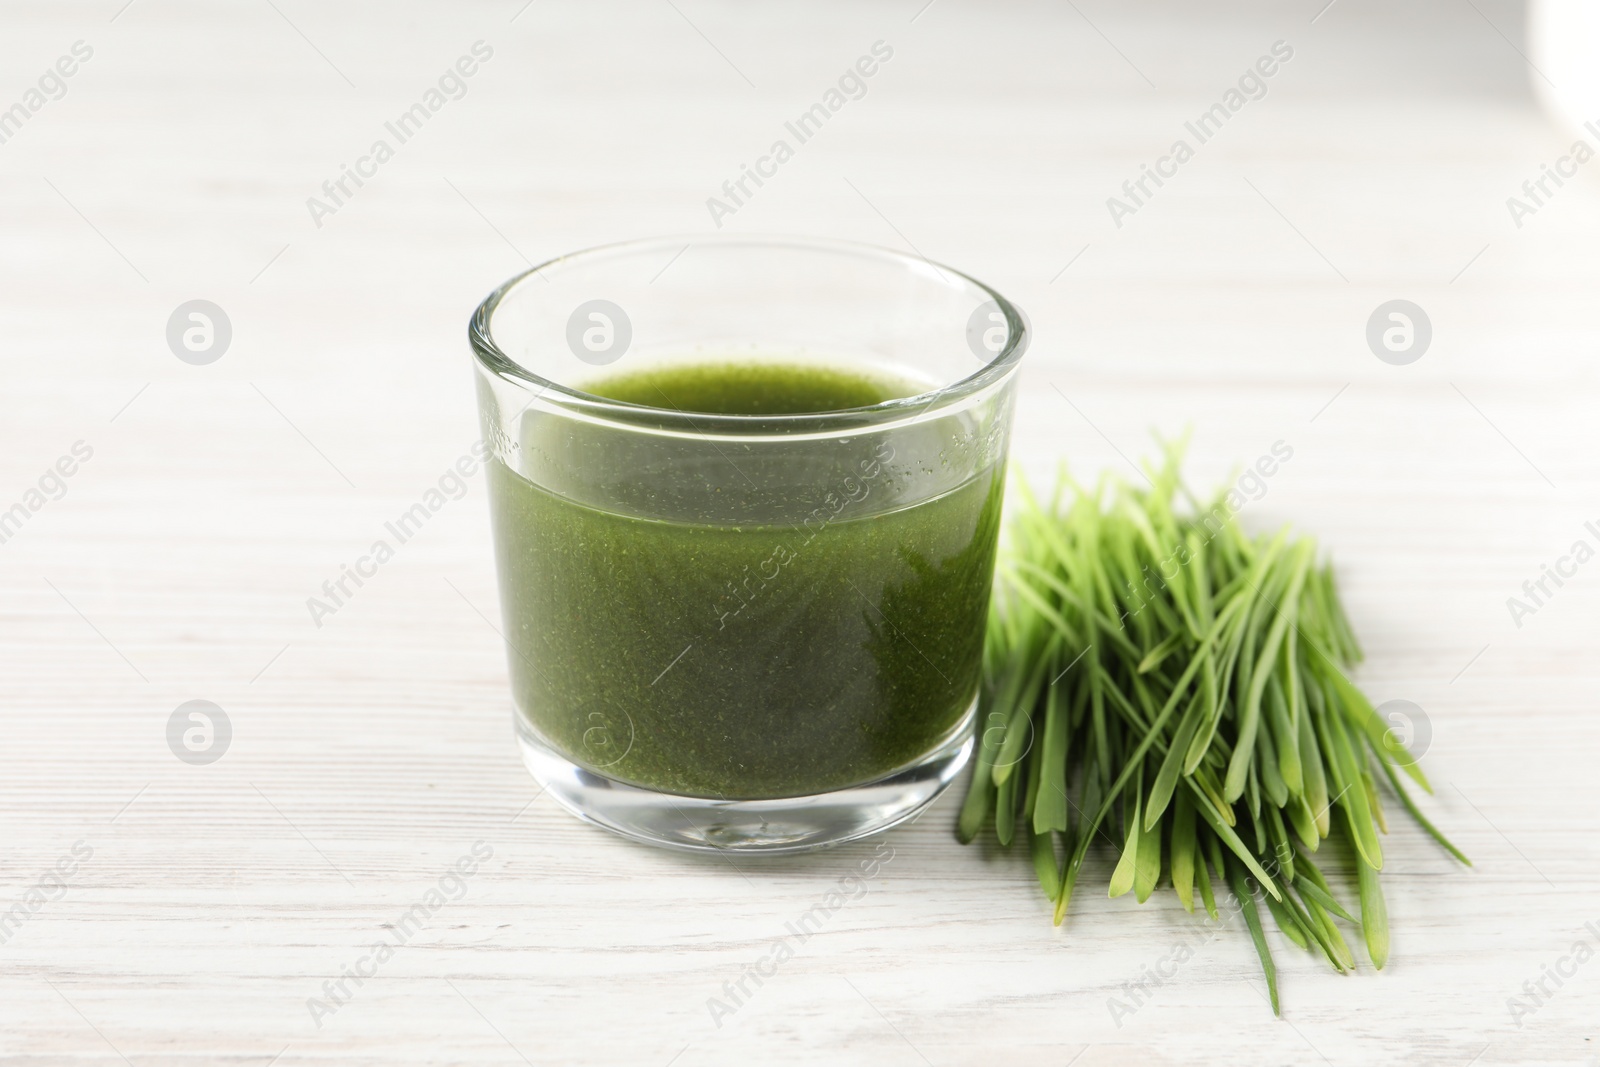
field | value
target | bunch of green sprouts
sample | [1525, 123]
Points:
[1169, 680]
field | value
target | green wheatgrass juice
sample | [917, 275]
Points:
[748, 660]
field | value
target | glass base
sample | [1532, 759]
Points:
[789, 824]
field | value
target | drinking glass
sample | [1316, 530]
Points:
[748, 632]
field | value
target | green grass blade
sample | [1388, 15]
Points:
[1371, 790]
[1304, 822]
[980, 792]
[1288, 922]
[1308, 888]
[1282, 850]
[1147, 871]
[1122, 877]
[1247, 908]
[1050, 804]
[1202, 878]
[1422, 820]
[1019, 728]
[1267, 762]
[1327, 934]
[1231, 840]
[1352, 796]
[1364, 717]
[1042, 849]
[1005, 810]
[1156, 656]
[1183, 851]
[1250, 711]
[1285, 735]
[1316, 780]
[1172, 764]
[1374, 914]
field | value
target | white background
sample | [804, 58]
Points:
[370, 753]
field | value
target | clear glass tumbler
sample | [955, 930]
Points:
[758, 631]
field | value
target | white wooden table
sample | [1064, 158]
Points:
[208, 904]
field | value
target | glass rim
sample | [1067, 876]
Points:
[491, 359]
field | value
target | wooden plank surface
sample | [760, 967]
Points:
[207, 905]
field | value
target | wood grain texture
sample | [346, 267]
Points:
[372, 752]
